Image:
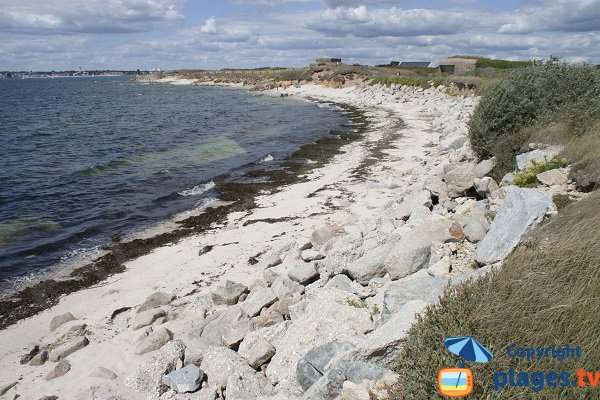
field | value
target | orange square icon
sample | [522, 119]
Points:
[455, 382]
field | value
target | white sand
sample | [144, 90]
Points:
[175, 268]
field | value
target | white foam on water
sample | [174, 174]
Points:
[266, 158]
[198, 189]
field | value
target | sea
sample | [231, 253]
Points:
[85, 159]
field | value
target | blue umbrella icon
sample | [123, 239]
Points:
[468, 348]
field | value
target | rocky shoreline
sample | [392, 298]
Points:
[310, 294]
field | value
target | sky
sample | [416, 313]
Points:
[206, 34]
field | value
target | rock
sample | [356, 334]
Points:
[156, 300]
[154, 341]
[184, 380]
[450, 205]
[147, 378]
[484, 167]
[520, 212]
[268, 317]
[61, 368]
[507, 179]
[103, 373]
[70, 347]
[231, 322]
[460, 179]
[247, 386]
[146, 318]
[411, 252]
[258, 299]
[274, 261]
[340, 282]
[219, 363]
[229, 293]
[370, 265]
[485, 185]
[553, 177]
[311, 255]
[453, 142]
[383, 345]
[39, 359]
[312, 366]
[410, 201]
[325, 316]
[475, 230]
[524, 159]
[303, 273]
[440, 267]
[322, 235]
[7, 387]
[256, 352]
[284, 288]
[61, 319]
[354, 391]
[423, 287]
[435, 185]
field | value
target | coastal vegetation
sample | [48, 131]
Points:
[543, 294]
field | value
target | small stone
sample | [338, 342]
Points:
[103, 373]
[61, 368]
[146, 318]
[61, 319]
[303, 273]
[154, 341]
[39, 359]
[258, 299]
[156, 300]
[7, 387]
[184, 380]
[70, 347]
[228, 294]
[311, 255]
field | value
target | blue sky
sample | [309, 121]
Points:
[171, 34]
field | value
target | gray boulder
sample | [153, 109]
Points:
[460, 179]
[370, 265]
[147, 378]
[156, 300]
[257, 352]
[410, 201]
[229, 293]
[61, 319]
[258, 298]
[77, 343]
[524, 159]
[521, 211]
[423, 287]
[247, 386]
[184, 380]
[146, 318]
[553, 177]
[154, 341]
[322, 235]
[220, 363]
[312, 366]
[61, 368]
[303, 273]
[285, 288]
[484, 167]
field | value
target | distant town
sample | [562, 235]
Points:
[74, 73]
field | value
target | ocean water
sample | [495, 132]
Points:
[85, 158]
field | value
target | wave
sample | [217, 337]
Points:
[198, 189]
[266, 158]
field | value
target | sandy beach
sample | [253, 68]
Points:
[383, 189]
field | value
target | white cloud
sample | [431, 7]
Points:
[90, 16]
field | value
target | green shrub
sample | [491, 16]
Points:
[501, 64]
[527, 177]
[561, 200]
[360, 303]
[545, 294]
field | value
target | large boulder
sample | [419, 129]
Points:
[184, 380]
[258, 298]
[411, 201]
[553, 177]
[411, 252]
[325, 316]
[60, 320]
[154, 341]
[229, 293]
[77, 343]
[421, 286]
[524, 160]
[303, 273]
[313, 365]
[156, 300]
[520, 212]
[460, 179]
[147, 378]
[370, 265]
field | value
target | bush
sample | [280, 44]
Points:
[544, 294]
[530, 102]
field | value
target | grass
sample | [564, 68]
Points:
[528, 176]
[545, 294]
[501, 64]
[416, 81]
